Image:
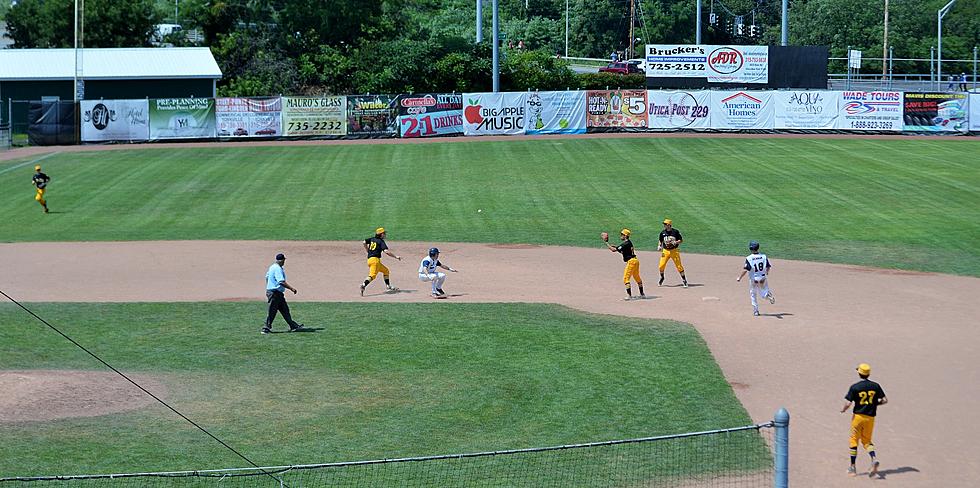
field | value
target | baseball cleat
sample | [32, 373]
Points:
[756, 313]
[661, 282]
[362, 289]
[685, 284]
[391, 289]
[439, 291]
[851, 471]
[297, 328]
[874, 469]
[266, 331]
[771, 298]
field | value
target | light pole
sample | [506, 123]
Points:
[939, 53]
[566, 29]
[784, 34]
[175, 13]
[697, 24]
[496, 48]
[884, 46]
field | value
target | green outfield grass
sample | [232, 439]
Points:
[376, 381]
[900, 203]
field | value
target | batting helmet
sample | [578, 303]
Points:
[753, 246]
[626, 232]
[864, 369]
[433, 251]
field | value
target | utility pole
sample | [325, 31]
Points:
[697, 24]
[479, 21]
[939, 52]
[629, 46]
[566, 28]
[496, 48]
[784, 34]
[884, 46]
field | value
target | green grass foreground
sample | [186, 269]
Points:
[376, 381]
[897, 203]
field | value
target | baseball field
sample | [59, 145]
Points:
[875, 243]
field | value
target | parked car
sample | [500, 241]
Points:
[641, 64]
[265, 132]
[241, 132]
[620, 68]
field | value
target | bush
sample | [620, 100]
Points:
[602, 81]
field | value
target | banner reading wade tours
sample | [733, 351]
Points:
[248, 117]
[314, 116]
[372, 116]
[806, 109]
[494, 113]
[936, 112]
[679, 109]
[870, 111]
[616, 108]
[556, 112]
[182, 118]
[115, 120]
[742, 110]
[719, 64]
[430, 114]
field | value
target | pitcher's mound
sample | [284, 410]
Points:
[41, 395]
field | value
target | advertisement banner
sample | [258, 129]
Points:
[616, 108]
[742, 110]
[314, 116]
[115, 120]
[679, 109]
[372, 116]
[974, 104]
[556, 112]
[182, 118]
[494, 113]
[248, 117]
[430, 114]
[936, 111]
[805, 109]
[719, 64]
[875, 110]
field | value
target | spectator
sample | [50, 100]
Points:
[510, 44]
[557, 54]
[614, 56]
[520, 44]
[952, 83]
[962, 81]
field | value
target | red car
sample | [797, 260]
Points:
[620, 68]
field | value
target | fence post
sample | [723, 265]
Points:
[781, 421]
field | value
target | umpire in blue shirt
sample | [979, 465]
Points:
[275, 286]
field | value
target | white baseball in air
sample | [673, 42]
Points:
[479, 210]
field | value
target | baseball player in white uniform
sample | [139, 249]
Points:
[428, 272]
[757, 266]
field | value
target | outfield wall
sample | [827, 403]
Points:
[520, 113]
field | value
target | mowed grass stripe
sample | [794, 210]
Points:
[873, 202]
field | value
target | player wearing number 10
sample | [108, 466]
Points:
[866, 395]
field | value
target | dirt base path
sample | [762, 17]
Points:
[917, 330]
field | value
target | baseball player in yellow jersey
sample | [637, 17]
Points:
[632, 269]
[866, 395]
[40, 181]
[670, 241]
[374, 247]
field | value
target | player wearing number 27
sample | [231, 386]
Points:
[757, 265]
[632, 269]
[40, 180]
[866, 395]
[670, 241]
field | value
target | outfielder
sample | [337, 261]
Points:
[428, 272]
[670, 241]
[40, 180]
[374, 247]
[632, 269]
[866, 395]
[757, 265]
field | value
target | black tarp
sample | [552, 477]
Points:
[51, 123]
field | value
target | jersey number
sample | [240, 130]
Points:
[867, 397]
[374, 245]
[759, 266]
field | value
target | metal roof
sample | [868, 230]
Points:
[108, 64]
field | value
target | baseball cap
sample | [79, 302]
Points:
[864, 369]
[626, 232]
[280, 257]
[379, 230]
[753, 245]
[37, 168]
[668, 221]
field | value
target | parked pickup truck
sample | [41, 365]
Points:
[620, 68]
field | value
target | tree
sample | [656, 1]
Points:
[108, 23]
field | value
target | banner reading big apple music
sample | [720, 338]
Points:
[741, 110]
[494, 113]
[556, 112]
[679, 109]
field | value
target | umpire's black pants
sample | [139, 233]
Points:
[277, 304]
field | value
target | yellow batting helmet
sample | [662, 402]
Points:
[379, 231]
[864, 369]
[626, 232]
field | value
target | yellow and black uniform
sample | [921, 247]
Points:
[40, 181]
[866, 395]
[671, 252]
[375, 246]
[632, 269]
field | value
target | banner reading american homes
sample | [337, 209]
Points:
[718, 64]
[182, 118]
[494, 113]
[616, 108]
[679, 109]
[115, 120]
[372, 116]
[860, 110]
[742, 110]
[249, 117]
[314, 116]
[936, 112]
[430, 114]
[556, 112]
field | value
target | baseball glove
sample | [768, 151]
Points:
[604, 236]
[670, 242]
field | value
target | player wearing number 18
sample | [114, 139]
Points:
[866, 395]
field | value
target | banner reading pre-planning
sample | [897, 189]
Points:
[182, 118]
[974, 104]
[314, 116]
[804, 109]
[874, 110]
[616, 108]
[494, 113]
[742, 110]
[936, 111]
[248, 117]
[430, 114]
[679, 109]
[554, 112]
[719, 64]
[115, 120]
[372, 116]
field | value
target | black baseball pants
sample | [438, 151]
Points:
[277, 304]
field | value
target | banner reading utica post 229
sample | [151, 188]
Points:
[719, 64]
[936, 112]
[494, 113]
[249, 117]
[679, 109]
[430, 114]
[874, 110]
[607, 109]
[182, 118]
[314, 116]
[115, 120]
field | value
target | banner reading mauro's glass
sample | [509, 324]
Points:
[936, 112]
[494, 113]
[430, 114]
[806, 109]
[115, 120]
[248, 117]
[372, 116]
[609, 109]
[742, 110]
[874, 110]
[679, 109]
[182, 118]
[556, 112]
[314, 116]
